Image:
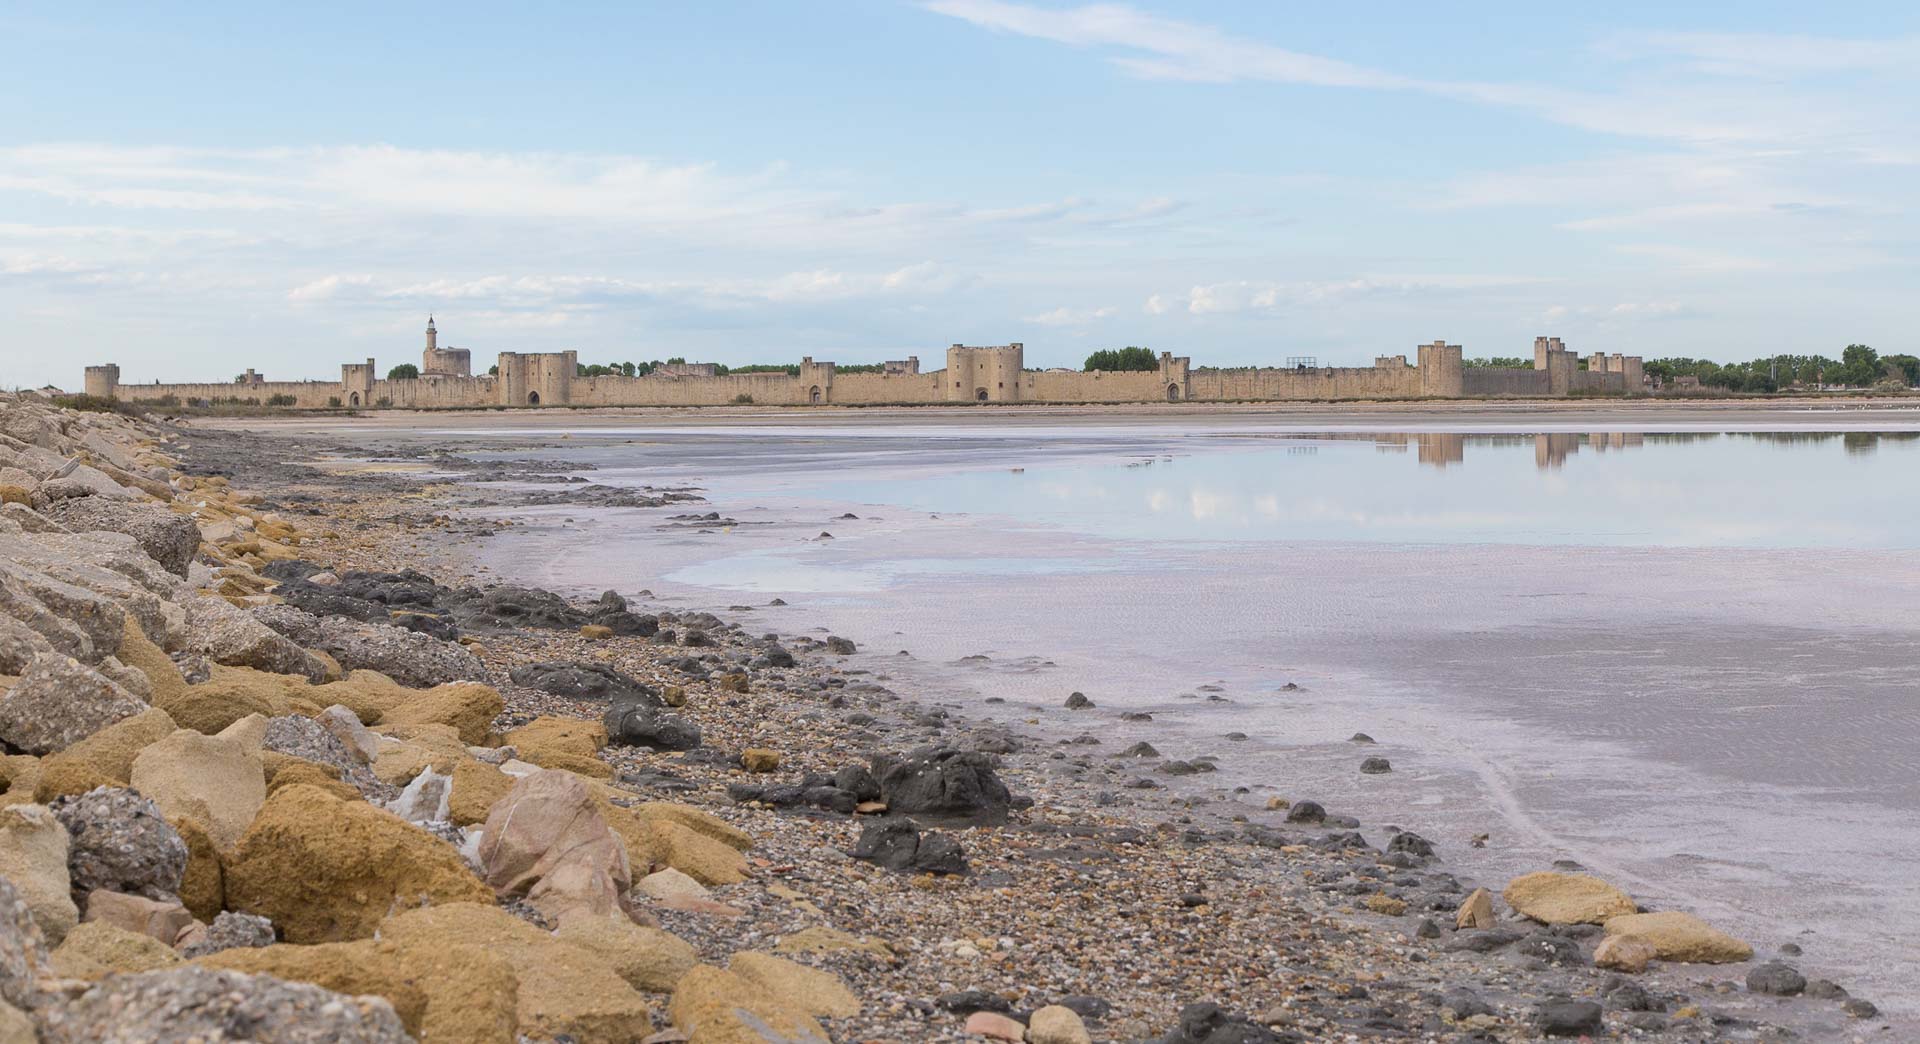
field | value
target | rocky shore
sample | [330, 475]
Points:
[276, 769]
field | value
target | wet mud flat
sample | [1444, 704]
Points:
[1118, 891]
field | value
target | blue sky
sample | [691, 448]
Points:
[190, 191]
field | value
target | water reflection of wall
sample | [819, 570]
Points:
[1442, 449]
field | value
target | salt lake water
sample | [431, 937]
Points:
[1688, 660]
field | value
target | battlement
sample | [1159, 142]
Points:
[974, 373]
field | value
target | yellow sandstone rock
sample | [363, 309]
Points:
[104, 759]
[444, 990]
[97, 949]
[648, 958]
[811, 990]
[562, 988]
[476, 786]
[1683, 937]
[326, 870]
[715, 1006]
[467, 706]
[1476, 911]
[1554, 898]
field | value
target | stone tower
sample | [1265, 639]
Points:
[103, 381]
[433, 338]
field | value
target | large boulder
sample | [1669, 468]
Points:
[71, 620]
[648, 958]
[310, 740]
[716, 1006]
[103, 759]
[97, 949]
[194, 1003]
[326, 870]
[19, 644]
[1681, 937]
[411, 658]
[639, 724]
[59, 702]
[710, 861]
[33, 855]
[584, 680]
[943, 784]
[119, 840]
[476, 787]
[467, 706]
[445, 991]
[897, 845]
[170, 538]
[229, 635]
[1554, 898]
[547, 840]
[561, 988]
[203, 885]
[23, 948]
[811, 990]
[214, 781]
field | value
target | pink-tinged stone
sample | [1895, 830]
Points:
[995, 1026]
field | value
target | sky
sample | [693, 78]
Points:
[190, 190]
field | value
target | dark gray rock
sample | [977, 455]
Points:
[120, 841]
[584, 680]
[1464, 1003]
[194, 1003]
[840, 646]
[966, 1002]
[1553, 949]
[1860, 1009]
[1825, 989]
[1376, 766]
[231, 931]
[1306, 812]
[856, 780]
[1777, 979]
[1485, 941]
[412, 658]
[1567, 1018]
[641, 725]
[1078, 701]
[898, 845]
[1209, 1023]
[943, 783]
[1411, 844]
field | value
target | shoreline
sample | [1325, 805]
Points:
[1457, 415]
[1087, 803]
[1080, 906]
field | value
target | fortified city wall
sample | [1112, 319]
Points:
[994, 373]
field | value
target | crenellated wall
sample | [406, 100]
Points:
[994, 373]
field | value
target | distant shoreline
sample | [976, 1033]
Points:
[1811, 414]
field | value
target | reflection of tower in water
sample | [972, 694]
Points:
[1440, 448]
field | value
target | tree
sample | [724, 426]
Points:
[1859, 366]
[1128, 358]
[1903, 368]
[403, 372]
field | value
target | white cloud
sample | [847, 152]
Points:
[1069, 316]
[1245, 295]
[1648, 107]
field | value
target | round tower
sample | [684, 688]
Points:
[433, 339]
